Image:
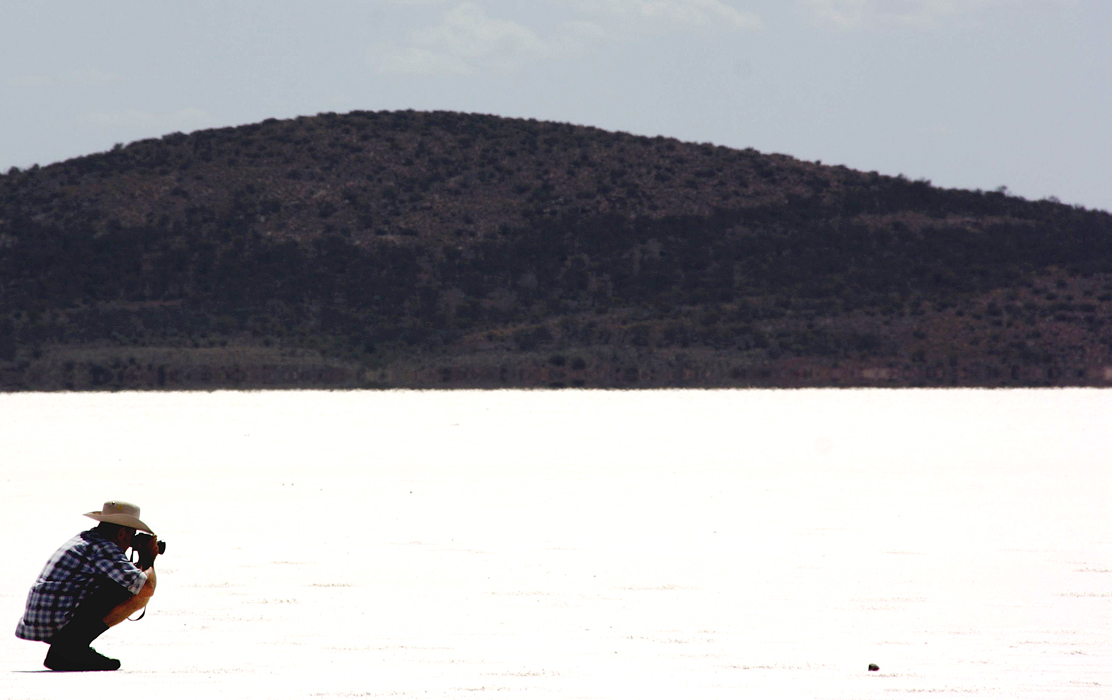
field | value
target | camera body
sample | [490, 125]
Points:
[139, 545]
[139, 542]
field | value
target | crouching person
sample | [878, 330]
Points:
[88, 586]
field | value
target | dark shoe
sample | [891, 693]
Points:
[61, 658]
[70, 650]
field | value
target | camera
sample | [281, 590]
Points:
[139, 542]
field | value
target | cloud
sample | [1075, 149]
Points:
[32, 81]
[85, 76]
[855, 14]
[467, 32]
[673, 14]
[467, 39]
[150, 122]
[415, 60]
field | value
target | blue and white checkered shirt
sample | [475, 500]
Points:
[76, 570]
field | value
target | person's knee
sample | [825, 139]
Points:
[125, 610]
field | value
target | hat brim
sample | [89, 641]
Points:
[119, 519]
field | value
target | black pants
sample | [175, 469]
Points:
[91, 611]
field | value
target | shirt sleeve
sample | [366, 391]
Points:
[118, 568]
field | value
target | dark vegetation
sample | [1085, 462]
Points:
[436, 249]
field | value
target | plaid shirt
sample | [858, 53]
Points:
[76, 570]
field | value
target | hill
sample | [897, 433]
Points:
[415, 249]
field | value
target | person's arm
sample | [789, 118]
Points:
[135, 603]
[148, 588]
[152, 578]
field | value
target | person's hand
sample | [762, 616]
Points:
[150, 551]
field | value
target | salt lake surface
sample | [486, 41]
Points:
[573, 544]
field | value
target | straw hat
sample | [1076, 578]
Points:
[120, 513]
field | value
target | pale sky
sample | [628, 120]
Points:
[965, 93]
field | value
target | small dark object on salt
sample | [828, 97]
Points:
[874, 667]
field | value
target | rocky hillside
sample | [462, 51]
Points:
[450, 250]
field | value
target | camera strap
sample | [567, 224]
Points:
[134, 559]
